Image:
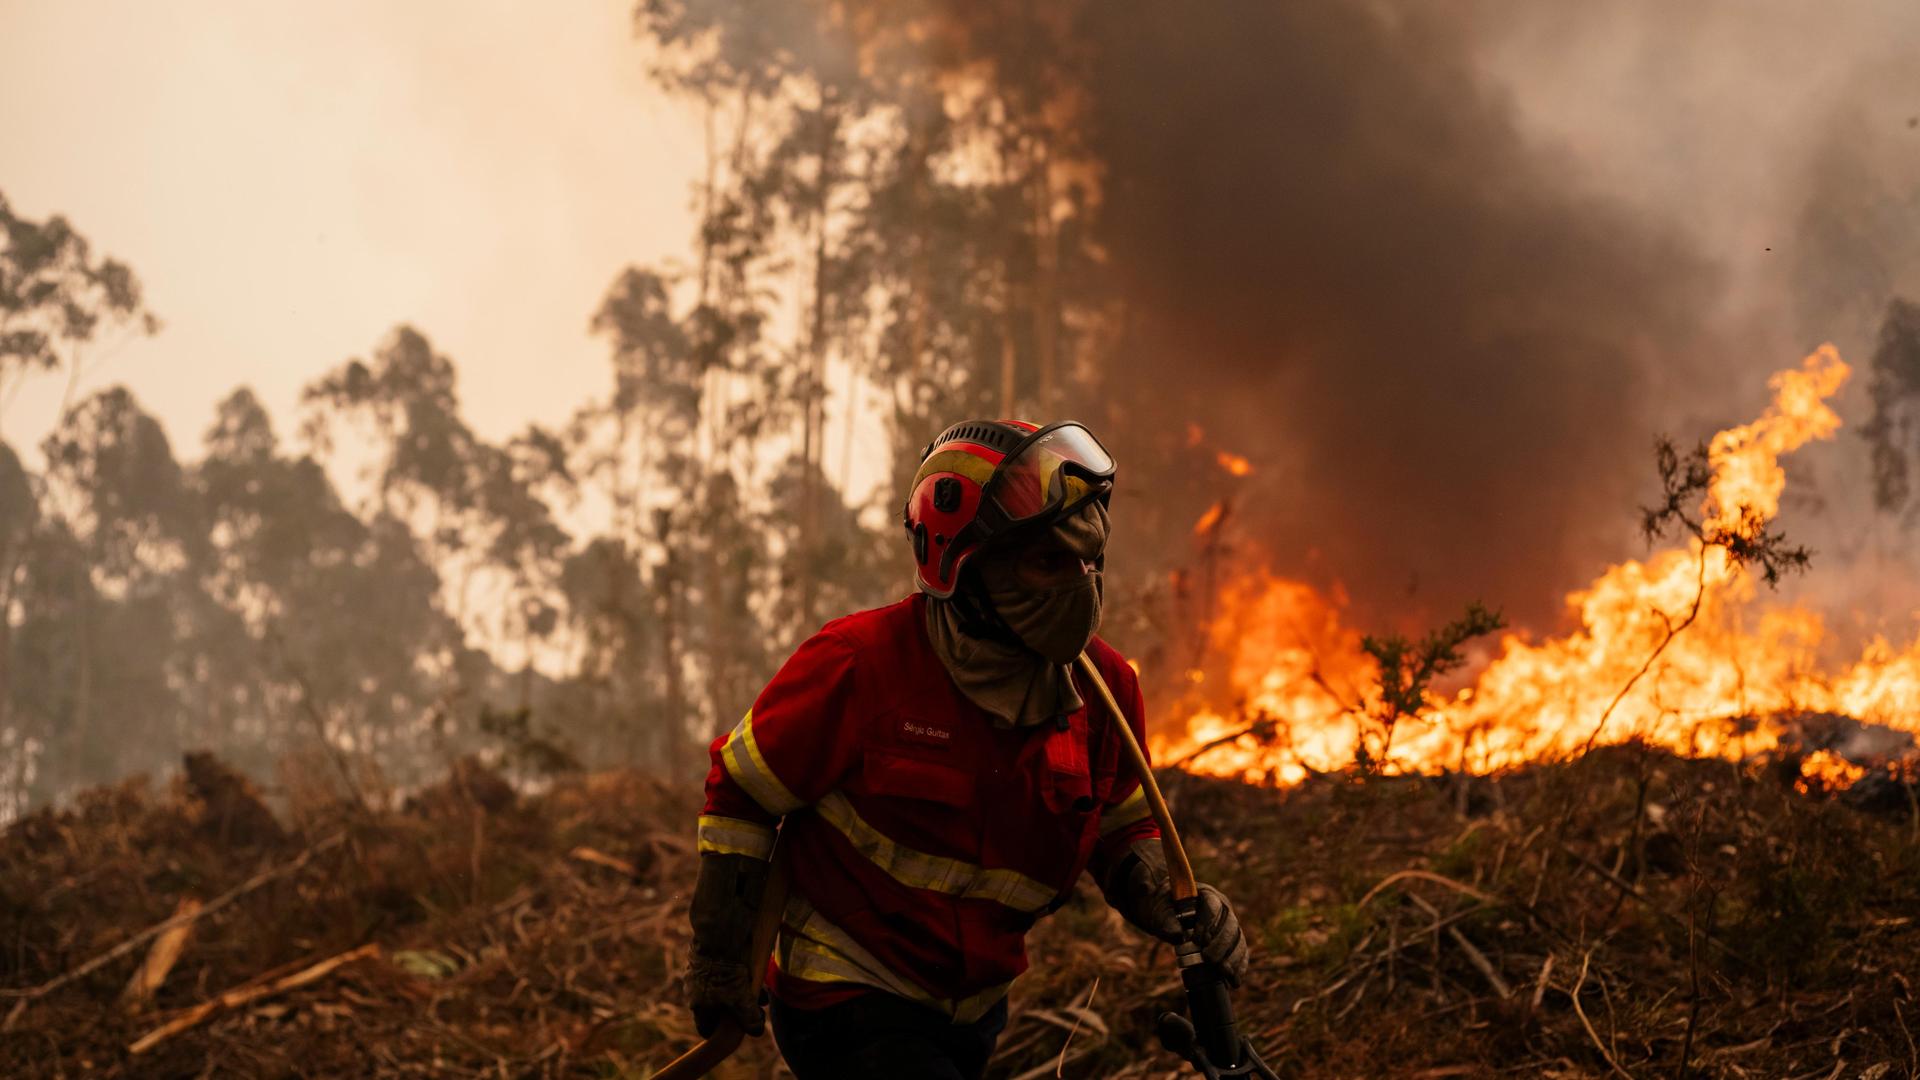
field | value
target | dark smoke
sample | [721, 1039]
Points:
[1344, 260]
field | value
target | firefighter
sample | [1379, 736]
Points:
[943, 778]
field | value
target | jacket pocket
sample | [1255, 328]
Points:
[1069, 782]
[1069, 792]
[902, 776]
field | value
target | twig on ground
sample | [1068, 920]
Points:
[1426, 875]
[247, 993]
[1588, 1024]
[1092, 990]
[599, 858]
[1474, 956]
[161, 958]
[1351, 975]
[179, 919]
[1540, 986]
[1045, 1070]
[1397, 944]
[1627, 887]
[1694, 934]
[1359, 992]
[1913, 1055]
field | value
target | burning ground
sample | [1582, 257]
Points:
[1684, 649]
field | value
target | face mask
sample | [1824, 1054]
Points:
[1056, 623]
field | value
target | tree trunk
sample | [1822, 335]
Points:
[920, 278]
[1046, 267]
[813, 399]
[13, 798]
[79, 736]
[1009, 363]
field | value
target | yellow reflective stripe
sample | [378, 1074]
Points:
[732, 836]
[741, 755]
[814, 949]
[969, 1009]
[968, 465]
[919, 870]
[1131, 809]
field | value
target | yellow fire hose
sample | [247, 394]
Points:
[1210, 1041]
[1178, 868]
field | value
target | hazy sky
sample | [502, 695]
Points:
[290, 181]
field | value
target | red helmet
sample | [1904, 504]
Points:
[983, 480]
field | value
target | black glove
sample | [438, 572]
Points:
[1139, 888]
[720, 984]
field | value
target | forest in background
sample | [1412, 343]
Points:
[965, 209]
[381, 590]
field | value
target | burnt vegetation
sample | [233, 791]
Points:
[1697, 919]
[1748, 541]
[1407, 669]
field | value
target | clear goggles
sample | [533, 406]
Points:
[1054, 471]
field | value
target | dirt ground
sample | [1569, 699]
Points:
[1632, 914]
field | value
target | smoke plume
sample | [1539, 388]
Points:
[1440, 318]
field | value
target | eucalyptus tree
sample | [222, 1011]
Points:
[682, 577]
[346, 643]
[19, 527]
[920, 158]
[109, 580]
[482, 525]
[56, 296]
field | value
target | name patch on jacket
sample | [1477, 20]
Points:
[919, 731]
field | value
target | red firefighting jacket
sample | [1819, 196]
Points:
[923, 841]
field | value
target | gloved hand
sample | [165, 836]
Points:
[720, 985]
[1139, 888]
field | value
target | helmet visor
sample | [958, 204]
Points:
[1056, 466]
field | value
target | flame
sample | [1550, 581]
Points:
[1824, 770]
[1234, 464]
[1210, 520]
[1306, 700]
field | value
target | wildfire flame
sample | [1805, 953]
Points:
[1824, 769]
[1210, 520]
[1234, 464]
[1306, 693]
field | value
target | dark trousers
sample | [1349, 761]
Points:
[879, 1036]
